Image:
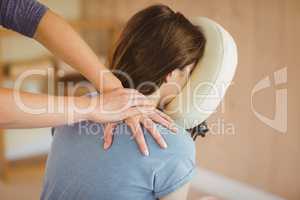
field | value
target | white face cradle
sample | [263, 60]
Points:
[209, 80]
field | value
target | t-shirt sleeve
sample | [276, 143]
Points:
[176, 172]
[22, 16]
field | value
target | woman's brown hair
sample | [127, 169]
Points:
[154, 42]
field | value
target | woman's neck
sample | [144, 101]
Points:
[160, 98]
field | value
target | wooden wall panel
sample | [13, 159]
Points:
[2, 155]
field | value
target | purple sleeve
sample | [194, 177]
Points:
[22, 16]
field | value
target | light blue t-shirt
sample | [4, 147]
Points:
[79, 168]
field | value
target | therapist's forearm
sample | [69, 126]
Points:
[38, 110]
[61, 39]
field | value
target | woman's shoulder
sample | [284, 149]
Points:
[179, 143]
[176, 164]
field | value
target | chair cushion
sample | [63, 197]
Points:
[209, 80]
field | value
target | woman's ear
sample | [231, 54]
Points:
[169, 76]
[189, 68]
[172, 75]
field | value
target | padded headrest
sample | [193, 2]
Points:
[209, 80]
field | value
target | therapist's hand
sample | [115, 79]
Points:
[117, 105]
[148, 122]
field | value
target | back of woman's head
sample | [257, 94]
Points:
[154, 42]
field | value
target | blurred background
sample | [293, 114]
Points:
[253, 148]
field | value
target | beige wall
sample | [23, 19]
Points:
[267, 34]
[22, 48]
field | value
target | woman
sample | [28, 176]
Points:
[34, 20]
[155, 54]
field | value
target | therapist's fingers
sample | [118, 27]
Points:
[165, 116]
[138, 135]
[141, 101]
[136, 98]
[108, 135]
[151, 127]
[158, 117]
[136, 111]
